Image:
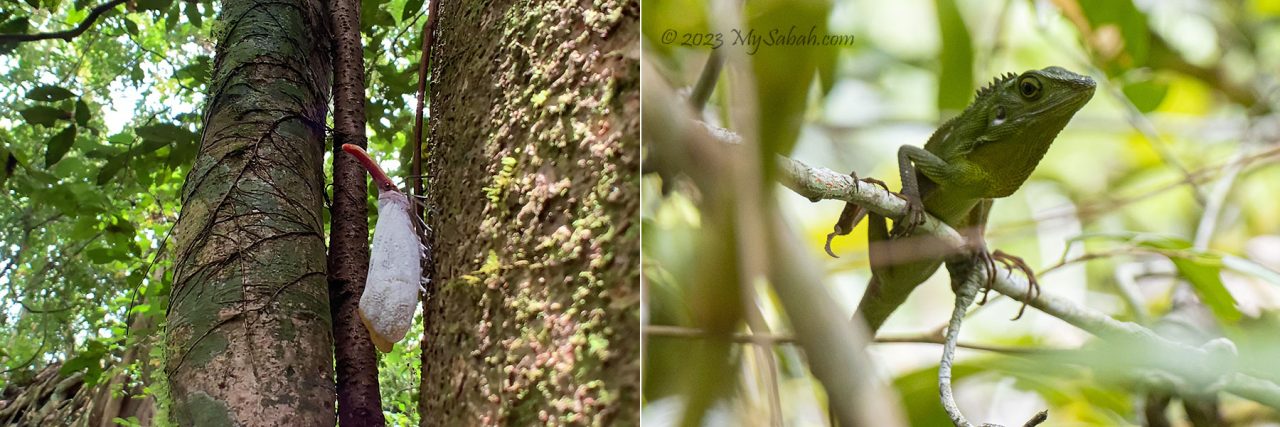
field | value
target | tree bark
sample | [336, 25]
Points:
[533, 194]
[248, 334]
[359, 400]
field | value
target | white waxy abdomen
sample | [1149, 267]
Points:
[391, 292]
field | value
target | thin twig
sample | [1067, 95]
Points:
[66, 35]
[774, 339]
[707, 81]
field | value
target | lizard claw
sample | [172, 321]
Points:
[1016, 263]
[850, 216]
[832, 235]
[913, 218]
[982, 256]
[872, 181]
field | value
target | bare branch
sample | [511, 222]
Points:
[66, 35]
[787, 339]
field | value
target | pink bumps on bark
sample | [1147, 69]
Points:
[390, 295]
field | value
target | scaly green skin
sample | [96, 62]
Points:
[984, 153]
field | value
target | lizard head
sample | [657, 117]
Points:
[1032, 106]
[1012, 122]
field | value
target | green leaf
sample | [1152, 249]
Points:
[181, 154]
[1146, 95]
[99, 255]
[197, 71]
[955, 80]
[372, 15]
[123, 227]
[154, 4]
[919, 391]
[90, 357]
[193, 14]
[43, 115]
[136, 75]
[59, 145]
[121, 138]
[1131, 22]
[140, 308]
[5, 159]
[165, 132]
[85, 227]
[131, 27]
[828, 67]
[410, 7]
[171, 18]
[784, 73]
[62, 199]
[9, 163]
[12, 26]
[82, 112]
[1202, 270]
[49, 93]
[149, 145]
[109, 171]
[134, 279]
[16, 25]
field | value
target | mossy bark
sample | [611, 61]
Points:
[248, 336]
[533, 195]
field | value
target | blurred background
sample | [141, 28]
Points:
[1156, 205]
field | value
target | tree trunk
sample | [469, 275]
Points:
[533, 194]
[359, 400]
[248, 335]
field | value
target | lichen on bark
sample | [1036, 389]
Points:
[533, 196]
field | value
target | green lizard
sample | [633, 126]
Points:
[985, 153]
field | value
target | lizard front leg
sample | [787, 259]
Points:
[910, 160]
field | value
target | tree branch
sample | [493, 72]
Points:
[66, 35]
[787, 339]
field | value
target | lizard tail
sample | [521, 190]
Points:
[966, 293]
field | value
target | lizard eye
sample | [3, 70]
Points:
[1029, 87]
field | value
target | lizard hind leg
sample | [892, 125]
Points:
[988, 262]
[1015, 263]
[851, 215]
[849, 218]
